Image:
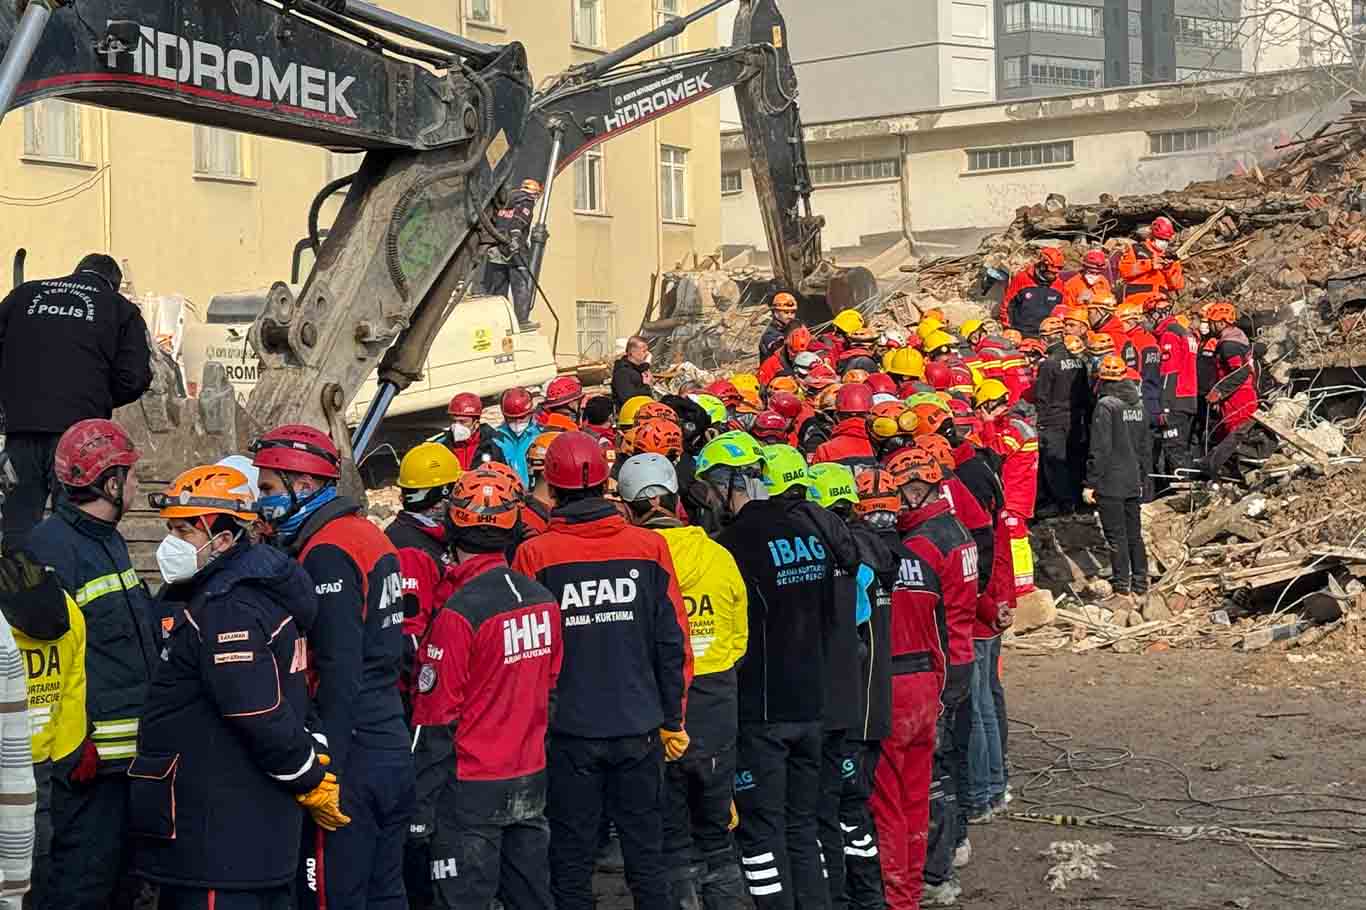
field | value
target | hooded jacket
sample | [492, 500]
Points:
[718, 627]
[848, 445]
[223, 749]
[513, 448]
[628, 381]
[50, 632]
[1121, 448]
[881, 552]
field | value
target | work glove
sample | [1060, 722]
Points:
[323, 802]
[675, 743]
[1088, 496]
[1005, 617]
[1161, 421]
[957, 683]
[87, 765]
[734, 817]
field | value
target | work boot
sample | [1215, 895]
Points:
[944, 894]
[722, 888]
[962, 854]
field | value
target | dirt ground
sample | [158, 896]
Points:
[1239, 725]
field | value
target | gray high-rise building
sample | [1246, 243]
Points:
[1045, 47]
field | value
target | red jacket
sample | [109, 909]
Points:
[849, 445]
[965, 507]
[1177, 371]
[947, 555]
[776, 365]
[1000, 587]
[1018, 445]
[1115, 329]
[1143, 356]
[487, 668]
[1235, 388]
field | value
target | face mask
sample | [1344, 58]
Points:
[178, 559]
[518, 427]
[1160, 245]
[460, 432]
[1045, 275]
[286, 514]
[1091, 277]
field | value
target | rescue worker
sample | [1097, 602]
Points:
[1115, 472]
[787, 549]
[1060, 395]
[468, 436]
[1178, 372]
[1105, 321]
[223, 753]
[1234, 395]
[1150, 267]
[355, 653]
[49, 631]
[849, 443]
[837, 338]
[783, 306]
[517, 433]
[80, 542]
[564, 396]
[1092, 280]
[508, 266]
[621, 692]
[537, 502]
[782, 362]
[71, 349]
[631, 376]
[1076, 321]
[1033, 292]
[1017, 442]
[933, 603]
[488, 667]
[597, 421]
[905, 365]
[1099, 345]
[701, 784]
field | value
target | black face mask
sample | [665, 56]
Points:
[1044, 275]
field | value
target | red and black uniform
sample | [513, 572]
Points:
[487, 670]
[775, 333]
[423, 557]
[627, 673]
[355, 652]
[849, 445]
[1177, 399]
[779, 363]
[1061, 398]
[1142, 355]
[1018, 445]
[478, 449]
[1235, 387]
[1026, 302]
[933, 602]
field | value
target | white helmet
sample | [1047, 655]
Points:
[803, 362]
[243, 463]
[645, 476]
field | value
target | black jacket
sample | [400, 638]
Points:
[1060, 393]
[882, 552]
[773, 336]
[70, 349]
[90, 559]
[787, 550]
[628, 381]
[223, 749]
[1121, 448]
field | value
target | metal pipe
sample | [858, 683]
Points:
[20, 50]
[540, 233]
[420, 31]
[365, 430]
[648, 40]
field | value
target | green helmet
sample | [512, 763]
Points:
[930, 398]
[715, 408]
[784, 468]
[735, 449]
[831, 483]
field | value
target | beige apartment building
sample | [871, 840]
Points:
[198, 211]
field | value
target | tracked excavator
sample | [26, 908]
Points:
[448, 125]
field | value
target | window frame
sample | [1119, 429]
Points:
[245, 165]
[1206, 138]
[34, 151]
[676, 44]
[1195, 36]
[599, 40]
[738, 188]
[592, 154]
[495, 14]
[1026, 65]
[581, 318]
[332, 160]
[680, 170]
[1062, 153]
[854, 171]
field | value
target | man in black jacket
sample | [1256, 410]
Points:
[71, 349]
[631, 375]
[508, 267]
[1061, 397]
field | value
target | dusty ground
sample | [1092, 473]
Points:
[1204, 711]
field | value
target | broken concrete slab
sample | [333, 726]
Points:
[1033, 610]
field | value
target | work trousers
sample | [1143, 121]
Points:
[945, 819]
[1059, 471]
[502, 278]
[88, 836]
[698, 845]
[1121, 520]
[998, 695]
[492, 841]
[1172, 453]
[622, 778]
[901, 788]
[31, 456]
[175, 898]
[862, 864]
[833, 769]
[42, 834]
[360, 866]
[986, 783]
[778, 794]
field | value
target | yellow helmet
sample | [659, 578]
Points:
[990, 390]
[906, 362]
[848, 321]
[928, 326]
[969, 327]
[627, 416]
[745, 382]
[936, 341]
[428, 465]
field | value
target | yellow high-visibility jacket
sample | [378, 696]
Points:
[56, 682]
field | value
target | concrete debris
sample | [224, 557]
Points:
[1075, 861]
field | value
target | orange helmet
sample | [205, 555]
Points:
[1113, 367]
[750, 402]
[914, 464]
[1052, 256]
[938, 447]
[1033, 346]
[798, 340]
[1076, 314]
[1051, 325]
[1221, 311]
[484, 498]
[853, 376]
[1157, 302]
[1014, 336]
[929, 418]
[1127, 311]
[1104, 302]
[656, 410]
[535, 456]
[203, 491]
[782, 384]
[1099, 344]
[783, 302]
[508, 473]
[825, 400]
[877, 492]
[660, 437]
[1074, 344]
[561, 422]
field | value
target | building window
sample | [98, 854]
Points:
[588, 25]
[1014, 156]
[483, 12]
[219, 153]
[666, 11]
[1037, 69]
[588, 183]
[1136, 73]
[597, 328]
[1199, 32]
[52, 129]
[732, 182]
[1059, 18]
[673, 183]
[1135, 24]
[1173, 142]
[343, 164]
[855, 171]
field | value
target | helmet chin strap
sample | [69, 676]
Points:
[117, 499]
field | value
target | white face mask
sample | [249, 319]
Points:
[1091, 277]
[518, 426]
[1161, 245]
[178, 559]
[460, 432]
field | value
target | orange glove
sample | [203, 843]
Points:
[675, 743]
[323, 802]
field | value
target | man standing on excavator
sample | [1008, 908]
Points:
[509, 266]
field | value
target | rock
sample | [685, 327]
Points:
[1035, 610]
[1126, 646]
[1156, 608]
[1327, 437]
[1158, 646]
[1099, 589]
[1289, 279]
[1178, 603]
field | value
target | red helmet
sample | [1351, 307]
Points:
[939, 374]
[770, 426]
[562, 390]
[798, 340]
[1162, 228]
[297, 449]
[725, 390]
[856, 398]
[515, 404]
[881, 384]
[466, 404]
[786, 404]
[575, 461]
[1094, 259]
[90, 448]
